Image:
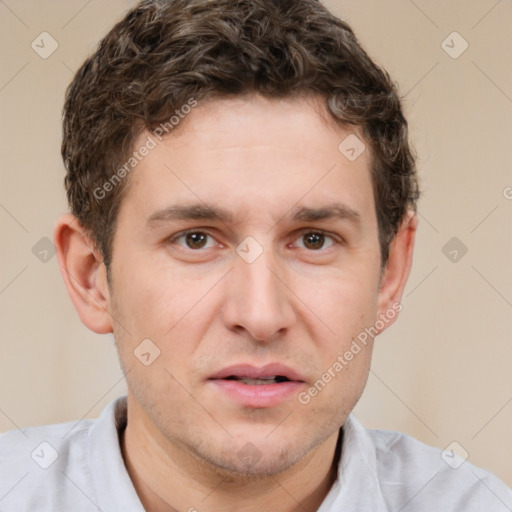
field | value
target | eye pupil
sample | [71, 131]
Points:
[197, 240]
[314, 239]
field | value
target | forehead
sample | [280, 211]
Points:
[251, 154]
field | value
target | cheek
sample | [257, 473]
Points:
[144, 293]
[345, 303]
[150, 312]
[348, 306]
[157, 302]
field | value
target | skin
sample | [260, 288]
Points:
[206, 308]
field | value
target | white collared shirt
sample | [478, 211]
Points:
[78, 467]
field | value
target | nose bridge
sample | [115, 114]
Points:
[260, 281]
[257, 299]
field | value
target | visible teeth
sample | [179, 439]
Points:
[259, 382]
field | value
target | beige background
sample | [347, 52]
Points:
[442, 373]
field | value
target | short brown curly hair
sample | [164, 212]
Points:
[165, 52]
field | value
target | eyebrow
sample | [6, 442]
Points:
[202, 211]
[195, 211]
[333, 211]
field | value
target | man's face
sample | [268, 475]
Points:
[295, 293]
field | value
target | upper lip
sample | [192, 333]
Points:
[254, 372]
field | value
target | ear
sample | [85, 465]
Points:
[397, 269]
[84, 274]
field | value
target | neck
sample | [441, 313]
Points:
[170, 478]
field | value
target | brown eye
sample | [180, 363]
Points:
[315, 240]
[193, 239]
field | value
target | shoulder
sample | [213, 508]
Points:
[42, 468]
[417, 476]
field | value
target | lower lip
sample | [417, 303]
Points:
[257, 396]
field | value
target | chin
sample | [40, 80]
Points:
[252, 454]
[249, 462]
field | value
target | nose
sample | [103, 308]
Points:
[258, 299]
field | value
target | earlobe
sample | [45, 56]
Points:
[398, 267]
[84, 274]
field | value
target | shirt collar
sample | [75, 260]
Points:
[113, 486]
[357, 485]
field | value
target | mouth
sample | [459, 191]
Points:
[272, 373]
[253, 387]
[277, 379]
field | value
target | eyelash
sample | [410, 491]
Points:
[307, 231]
